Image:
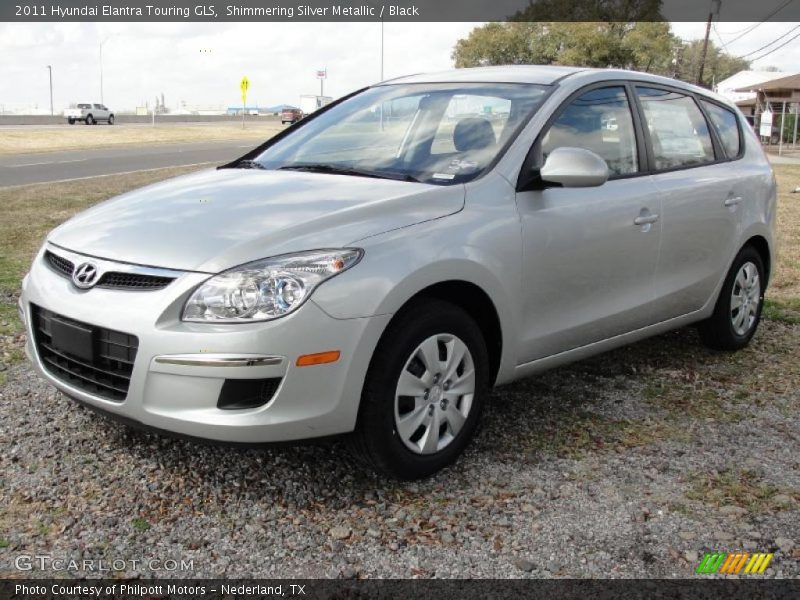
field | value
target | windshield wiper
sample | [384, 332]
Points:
[336, 170]
[249, 164]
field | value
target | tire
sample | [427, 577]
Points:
[110, 119]
[731, 328]
[71, 121]
[408, 453]
[90, 120]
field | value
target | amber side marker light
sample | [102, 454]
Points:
[320, 358]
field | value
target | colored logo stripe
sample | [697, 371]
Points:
[732, 564]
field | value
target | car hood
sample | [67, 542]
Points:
[214, 220]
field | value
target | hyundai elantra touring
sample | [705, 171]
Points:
[375, 269]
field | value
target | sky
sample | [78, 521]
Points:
[202, 64]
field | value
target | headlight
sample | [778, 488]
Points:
[266, 289]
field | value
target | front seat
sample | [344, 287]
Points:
[474, 133]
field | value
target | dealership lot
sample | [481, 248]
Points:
[630, 464]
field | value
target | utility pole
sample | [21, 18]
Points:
[381, 49]
[50, 69]
[102, 101]
[715, 5]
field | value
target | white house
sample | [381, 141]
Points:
[727, 87]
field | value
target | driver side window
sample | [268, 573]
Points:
[600, 121]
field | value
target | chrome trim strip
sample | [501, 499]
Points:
[105, 266]
[199, 360]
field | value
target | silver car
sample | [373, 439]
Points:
[377, 268]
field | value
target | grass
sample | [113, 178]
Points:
[784, 289]
[140, 524]
[734, 487]
[786, 311]
[81, 137]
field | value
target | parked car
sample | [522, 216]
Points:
[291, 115]
[89, 114]
[376, 278]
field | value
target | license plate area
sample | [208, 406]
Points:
[74, 340]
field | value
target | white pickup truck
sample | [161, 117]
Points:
[89, 114]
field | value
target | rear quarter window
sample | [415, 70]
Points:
[727, 126]
[678, 130]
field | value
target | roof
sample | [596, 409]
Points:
[539, 74]
[543, 75]
[789, 82]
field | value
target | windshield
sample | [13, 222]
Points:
[433, 133]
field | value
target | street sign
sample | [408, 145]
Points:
[322, 74]
[765, 128]
[244, 86]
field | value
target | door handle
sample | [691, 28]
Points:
[645, 220]
[733, 201]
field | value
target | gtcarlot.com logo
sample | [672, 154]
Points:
[734, 564]
[45, 562]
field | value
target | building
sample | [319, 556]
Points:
[779, 99]
[730, 87]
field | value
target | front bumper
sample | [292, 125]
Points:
[180, 368]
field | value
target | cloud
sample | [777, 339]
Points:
[201, 64]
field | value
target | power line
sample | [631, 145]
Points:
[771, 43]
[767, 18]
[791, 39]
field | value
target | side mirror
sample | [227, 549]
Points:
[574, 167]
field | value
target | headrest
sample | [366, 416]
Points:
[474, 133]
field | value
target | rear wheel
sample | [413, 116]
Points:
[738, 310]
[90, 120]
[71, 121]
[423, 393]
[110, 119]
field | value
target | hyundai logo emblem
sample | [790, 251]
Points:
[85, 275]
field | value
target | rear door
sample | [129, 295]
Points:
[700, 197]
[589, 253]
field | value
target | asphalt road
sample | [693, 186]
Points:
[23, 169]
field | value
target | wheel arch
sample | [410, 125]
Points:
[762, 246]
[474, 300]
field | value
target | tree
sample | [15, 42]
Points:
[646, 46]
[719, 64]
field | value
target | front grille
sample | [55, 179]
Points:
[115, 280]
[133, 281]
[107, 375]
[61, 265]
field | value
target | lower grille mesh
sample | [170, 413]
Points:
[107, 375]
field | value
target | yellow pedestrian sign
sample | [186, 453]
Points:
[244, 86]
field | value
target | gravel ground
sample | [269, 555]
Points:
[632, 464]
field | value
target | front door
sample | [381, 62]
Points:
[589, 254]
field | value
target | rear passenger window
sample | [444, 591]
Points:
[599, 121]
[727, 126]
[678, 130]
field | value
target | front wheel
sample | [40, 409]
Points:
[111, 119]
[738, 310]
[424, 391]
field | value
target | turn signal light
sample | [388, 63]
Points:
[320, 358]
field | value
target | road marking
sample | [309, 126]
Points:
[8, 187]
[50, 162]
